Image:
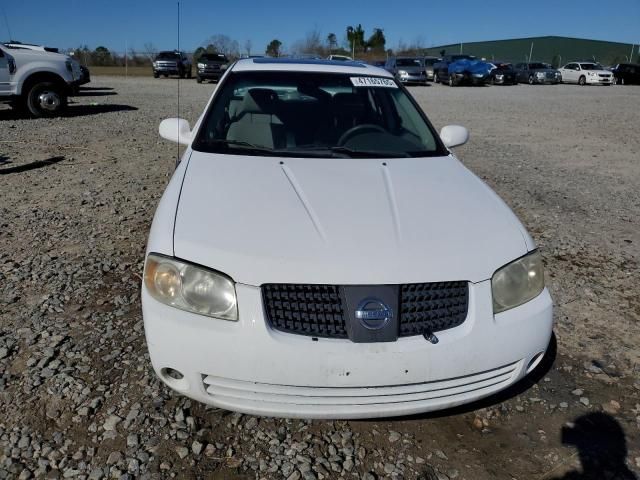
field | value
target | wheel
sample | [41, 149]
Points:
[435, 78]
[582, 80]
[198, 79]
[189, 74]
[46, 99]
[493, 80]
[166, 75]
[452, 82]
[530, 79]
[155, 75]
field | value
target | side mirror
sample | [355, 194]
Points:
[176, 130]
[454, 135]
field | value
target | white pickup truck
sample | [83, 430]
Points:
[38, 81]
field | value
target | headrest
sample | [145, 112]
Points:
[348, 102]
[260, 100]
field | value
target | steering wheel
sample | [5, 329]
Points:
[359, 130]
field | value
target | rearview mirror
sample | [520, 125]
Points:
[454, 135]
[176, 130]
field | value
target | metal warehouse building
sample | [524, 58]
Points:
[554, 50]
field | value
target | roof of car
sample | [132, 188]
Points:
[308, 65]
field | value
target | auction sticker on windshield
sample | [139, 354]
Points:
[373, 82]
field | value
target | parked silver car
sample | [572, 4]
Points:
[407, 69]
[429, 62]
[537, 72]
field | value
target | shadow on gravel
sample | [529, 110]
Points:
[95, 88]
[4, 159]
[84, 110]
[513, 391]
[73, 110]
[602, 448]
[94, 93]
[30, 166]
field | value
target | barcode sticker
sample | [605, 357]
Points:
[373, 82]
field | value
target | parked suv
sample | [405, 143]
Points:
[172, 63]
[626, 74]
[211, 66]
[36, 80]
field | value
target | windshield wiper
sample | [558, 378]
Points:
[368, 153]
[250, 147]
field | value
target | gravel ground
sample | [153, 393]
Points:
[77, 392]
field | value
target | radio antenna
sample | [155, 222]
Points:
[178, 116]
[6, 22]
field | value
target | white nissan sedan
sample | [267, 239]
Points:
[321, 253]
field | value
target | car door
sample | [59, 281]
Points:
[4, 72]
[568, 73]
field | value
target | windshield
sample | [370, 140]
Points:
[409, 62]
[504, 67]
[214, 57]
[168, 55]
[591, 66]
[311, 114]
[537, 66]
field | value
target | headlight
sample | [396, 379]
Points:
[403, 73]
[201, 65]
[540, 74]
[191, 288]
[517, 282]
[592, 74]
[499, 77]
[478, 75]
[155, 64]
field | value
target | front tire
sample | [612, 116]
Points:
[156, 75]
[46, 99]
[189, 74]
[582, 81]
[452, 82]
[436, 79]
[198, 79]
[531, 81]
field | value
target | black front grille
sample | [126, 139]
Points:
[315, 310]
[432, 307]
[319, 310]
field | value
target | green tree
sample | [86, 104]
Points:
[332, 42]
[355, 37]
[377, 40]
[102, 56]
[273, 49]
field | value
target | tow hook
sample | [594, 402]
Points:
[430, 337]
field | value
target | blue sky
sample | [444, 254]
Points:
[116, 23]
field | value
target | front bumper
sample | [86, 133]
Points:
[248, 367]
[210, 73]
[599, 80]
[413, 78]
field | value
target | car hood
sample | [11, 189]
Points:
[32, 55]
[343, 221]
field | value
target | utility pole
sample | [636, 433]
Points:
[461, 49]
[531, 52]
[126, 60]
[631, 55]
